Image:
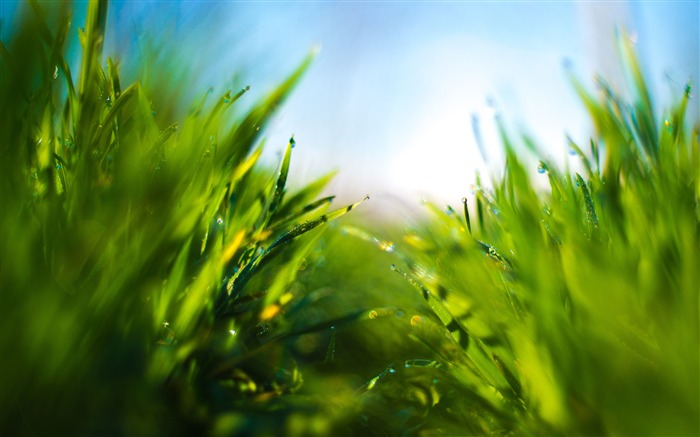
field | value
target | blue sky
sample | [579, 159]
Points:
[391, 97]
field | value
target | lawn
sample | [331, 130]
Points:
[158, 279]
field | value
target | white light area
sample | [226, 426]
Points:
[440, 159]
[435, 152]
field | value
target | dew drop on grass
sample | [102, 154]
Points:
[220, 221]
[668, 125]
[572, 151]
[542, 168]
[232, 332]
[416, 320]
[372, 314]
[55, 71]
[392, 368]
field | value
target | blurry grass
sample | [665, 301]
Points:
[157, 280]
[580, 304]
[129, 244]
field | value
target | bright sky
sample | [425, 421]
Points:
[391, 98]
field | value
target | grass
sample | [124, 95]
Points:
[156, 279]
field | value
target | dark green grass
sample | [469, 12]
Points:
[157, 280]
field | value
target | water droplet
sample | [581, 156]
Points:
[416, 320]
[393, 267]
[373, 314]
[166, 324]
[292, 142]
[435, 380]
[572, 151]
[392, 368]
[247, 88]
[542, 168]
[55, 72]
[262, 328]
[464, 200]
[220, 221]
[232, 332]
[408, 364]
[399, 313]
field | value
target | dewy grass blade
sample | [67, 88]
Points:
[591, 216]
[456, 329]
[236, 283]
[312, 224]
[281, 179]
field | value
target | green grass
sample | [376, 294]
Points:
[157, 280]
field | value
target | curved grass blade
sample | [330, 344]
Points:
[302, 197]
[237, 282]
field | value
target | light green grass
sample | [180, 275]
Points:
[580, 303]
[157, 280]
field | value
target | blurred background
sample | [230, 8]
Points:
[400, 91]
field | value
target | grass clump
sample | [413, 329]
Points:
[156, 279]
[572, 310]
[129, 247]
